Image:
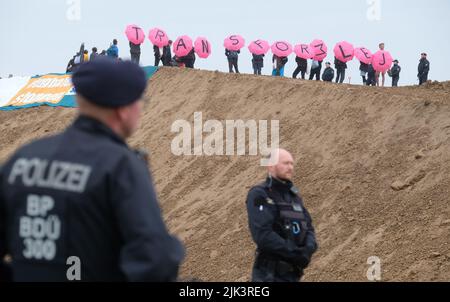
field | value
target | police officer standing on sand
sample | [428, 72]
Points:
[85, 195]
[279, 224]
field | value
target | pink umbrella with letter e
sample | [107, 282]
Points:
[158, 37]
[135, 34]
[281, 49]
[363, 55]
[344, 51]
[234, 42]
[182, 46]
[259, 47]
[382, 61]
[202, 47]
[304, 51]
[320, 49]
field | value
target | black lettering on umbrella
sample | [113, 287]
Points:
[159, 34]
[283, 44]
[181, 44]
[343, 53]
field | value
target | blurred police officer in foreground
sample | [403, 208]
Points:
[84, 193]
[280, 224]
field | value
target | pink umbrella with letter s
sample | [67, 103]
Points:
[234, 42]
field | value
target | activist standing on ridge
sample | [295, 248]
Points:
[394, 72]
[383, 74]
[84, 193]
[232, 56]
[423, 68]
[135, 52]
[279, 224]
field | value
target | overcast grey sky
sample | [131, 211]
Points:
[41, 36]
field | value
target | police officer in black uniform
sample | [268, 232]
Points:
[279, 224]
[84, 195]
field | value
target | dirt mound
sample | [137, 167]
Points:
[373, 166]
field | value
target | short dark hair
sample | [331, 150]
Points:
[85, 51]
[94, 49]
[115, 41]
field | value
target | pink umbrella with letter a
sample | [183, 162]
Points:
[259, 47]
[234, 42]
[158, 37]
[344, 51]
[281, 49]
[182, 46]
[135, 34]
[382, 61]
[304, 51]
[320, 49]
[363, 55]
[202, 47]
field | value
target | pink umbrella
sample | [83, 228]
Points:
[344, 51]
[382, 61]
[182, 46]
[259, 47]
[202, 47]
[135, 34]
[158, 37]
[234, 42]
[320, 49]
[304, 51]
[281, 48]
[363, 54]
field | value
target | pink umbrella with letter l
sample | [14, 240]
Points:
[304, 51]
[281, 49]
[320, 49]
[363, 55]
[182, 46]
[259, 47]
[234, 42]
[135, 34]
[382, 61]
[202, 47]
[344, 51]
[158, 37]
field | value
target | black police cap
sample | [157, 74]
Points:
[109, 82]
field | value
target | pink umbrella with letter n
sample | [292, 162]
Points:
[363, 55]
[304, 51]
[344, 51]
[320, 49]
[259, 47]
[202, 47]
[382, 61]
[158, 37]
[234, 42]
[281, 49]
[182, 46]
[135, 34]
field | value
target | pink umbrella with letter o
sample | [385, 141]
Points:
[344, 51]
[135, 34]
[320, 49]
[158, 37]
[234, 42]
[382, 61]
[363, 55]
[182, 46]
[202, 47]
[259, 47]
[304, 51]
[281, 49]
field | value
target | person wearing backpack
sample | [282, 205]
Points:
[113, 50]
[232, 57]
[328, 73]
[316, 67]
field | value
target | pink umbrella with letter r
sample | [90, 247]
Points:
[158, 37]
[382, 61]
[182, 46]
[234, 42]
[363, 55]
[135, 34]
[344, 51]
[202, 47]
[259, 47]
[304, 51]
[281, 49]
[320, 49]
